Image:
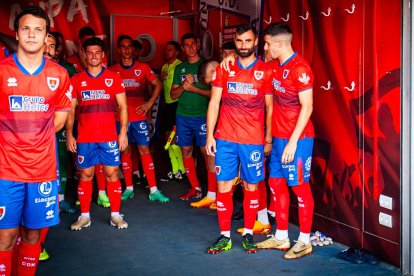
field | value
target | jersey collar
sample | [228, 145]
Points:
[24, 71]
[249, 66]
[126, 67]
[289, 59]
[97, 76]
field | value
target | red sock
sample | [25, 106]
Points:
[27, 258]
[250, 207]
[84, 195]
[305, 204]
[262, 195]
[114, 195]
[224, 210]
[6, 258]
[43, 234]
[134, 159]
[279, 189]
[100, 177]
[127, 168]
[190, 170]
[148, 167]
[212, 182]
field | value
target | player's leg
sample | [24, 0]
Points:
[210, 198]
[127, 171]
[100, 178]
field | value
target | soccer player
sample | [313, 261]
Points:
[35, 93]
[59, 56]
[97, 91]
[136, 76]
[240, 139]
[227, 49]
[191, 114]
[172, 50]
[293, 136]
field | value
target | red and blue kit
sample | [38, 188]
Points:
[240, 127]
[4, 52]
[289, 80]
[96, 105]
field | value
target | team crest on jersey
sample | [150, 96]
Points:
[218, 170]
[258, 75]
[137, 72]
[81, 159]
[285, 73]
[182, 78]
[53, 83]
[109, 82]
[2, 212]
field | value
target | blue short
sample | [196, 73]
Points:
[296, 172]
[33, 205]
[91, 154]
[187, 128]
[230, 155]
[139, 133]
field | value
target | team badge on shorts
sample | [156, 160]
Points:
[137, 72]
[258, 75]
[2, 212]
[255, 156]
[109, 82]
[45, 188]
[81, 159]
[218, 170]
[53, 83]
[204, 127]
[143, 126]
[111, 144]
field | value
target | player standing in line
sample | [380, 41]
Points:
[97, 91]
[191, 114]
[293, 136]
[245, 93]
[35, 93]
[136, 75]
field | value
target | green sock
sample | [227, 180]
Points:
[173, 159]
[179, 157]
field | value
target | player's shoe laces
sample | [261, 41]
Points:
[118, 221]
[103, 201]
[191, 193]
[82, 222]
[66, 208]
[258, 228]
[168, 177]
[158, 196]
[248, 243]
[43, 256]
[221, 244]
[298, 250]
[178, 175]
[205, 202]
[273, 243]
[127, 194]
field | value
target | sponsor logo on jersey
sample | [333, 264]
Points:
[112, 144]
[183, 70]
[83, 84]
[130, 83]
[109, 82]
[304, 78]
[258, 75]
[241, 88]
[277, 85]
[2, 212]
[11, 82]
[285, 73]
[2, 267]
[137, 72]
[142, 125]
[182, 78]
[94, 95]
[45, 188]
[53, 83]
[18, 103]
[50, 214]
[204, 127]
[218, 170]
[232, 74]
[81, 159]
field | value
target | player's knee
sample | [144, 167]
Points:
[7, 239]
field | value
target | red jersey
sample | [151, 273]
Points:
[136, 78]
[242, 108]
[289, 80]
[96, 105]
[28, 103]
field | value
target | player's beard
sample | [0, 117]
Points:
[249, 52]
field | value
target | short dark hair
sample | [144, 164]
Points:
[86, 31]
[53, 34]
[122, 37]
[137, 44]
[277, 28]
[188, 36]
[35, 11]
[229, 45]
[242, 28]
[92, 41]
[175, 44]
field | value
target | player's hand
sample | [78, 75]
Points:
[211, 147]
[189, 87]
[123, 142]
[189, 78]
[225, 64]
[71, 143]
[163, 75]
[289, 152]
[143, 108]
[267, 149]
